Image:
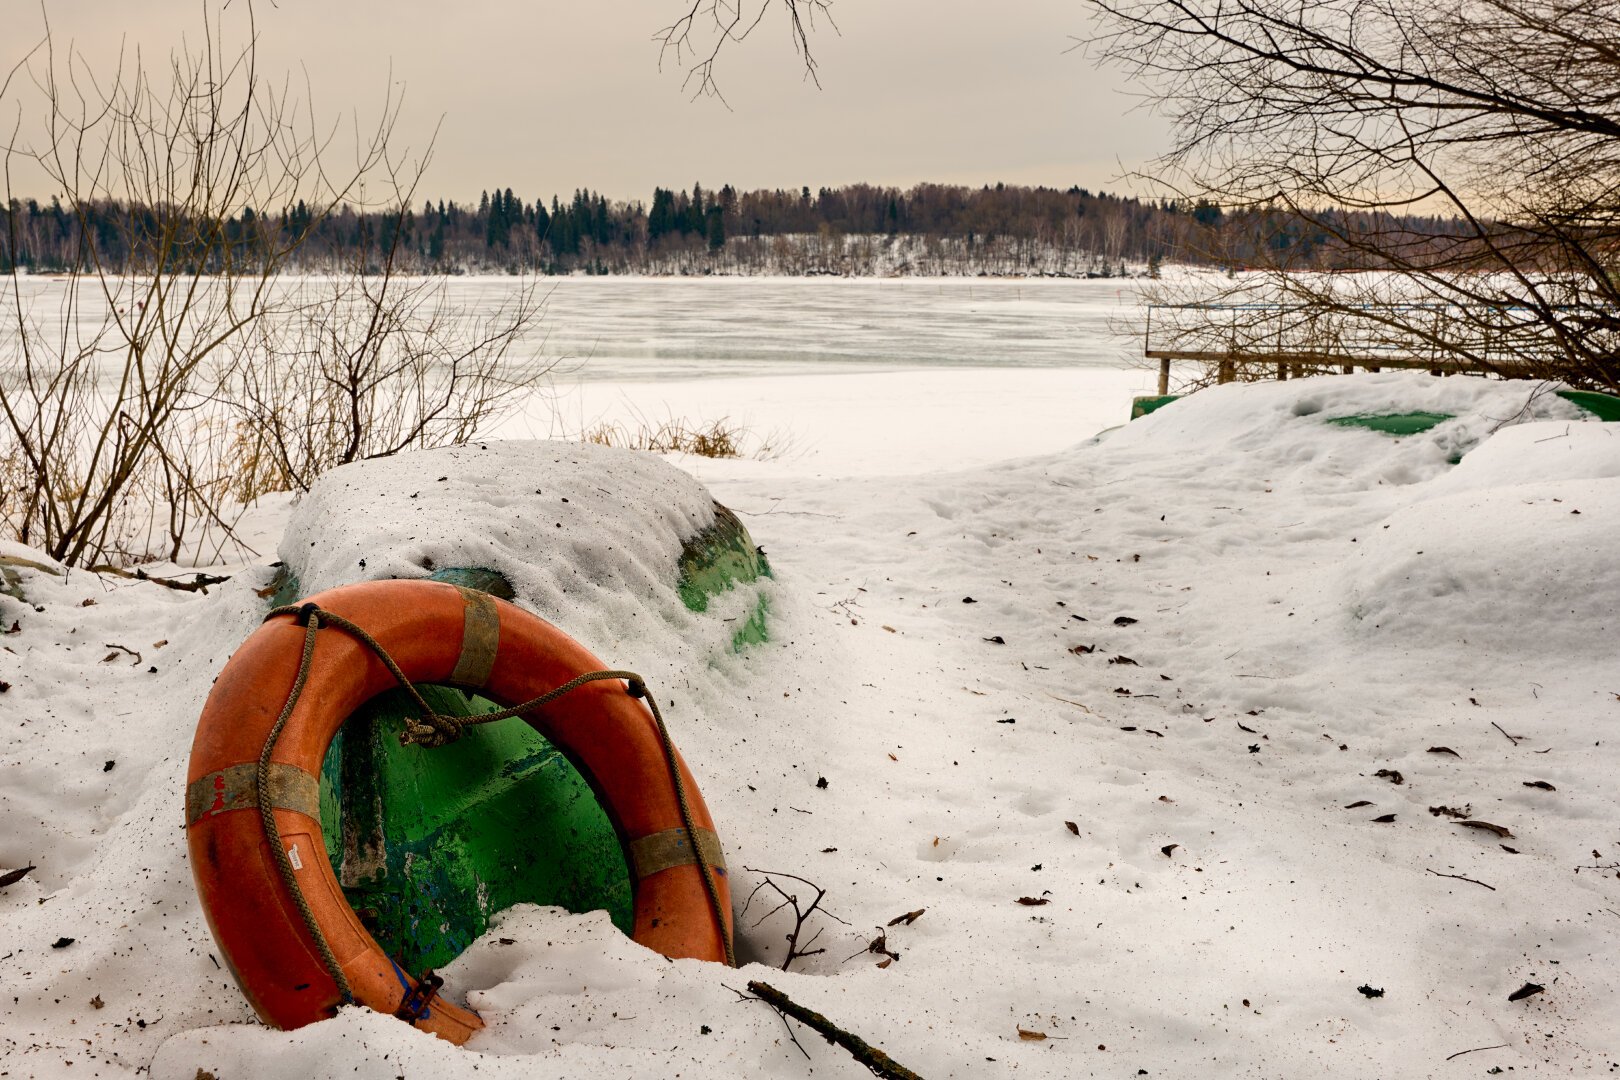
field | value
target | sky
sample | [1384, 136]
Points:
[551, 96]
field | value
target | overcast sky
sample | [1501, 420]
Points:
[544, 97]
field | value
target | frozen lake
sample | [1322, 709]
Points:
[841, 376]
[837, 376]
[657, 328]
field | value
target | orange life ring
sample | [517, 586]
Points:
[436, 633]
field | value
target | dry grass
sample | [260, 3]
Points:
[714, 439]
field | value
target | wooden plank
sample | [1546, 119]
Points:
[1322, 360]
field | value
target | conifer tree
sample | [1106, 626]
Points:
[715, 226]
[660, 217]
[542, 221]
[694, 213]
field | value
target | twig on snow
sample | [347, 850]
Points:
[794, 1038]
[1459, 877]
[800, 914]
[114, 645]
[1460, 1053]
[199, 582]
[876, 1060]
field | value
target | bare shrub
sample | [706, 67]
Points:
[169, 367]
[368, 367]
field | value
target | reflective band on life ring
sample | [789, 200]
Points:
[436, 633]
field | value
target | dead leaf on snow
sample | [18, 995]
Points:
[1031, 1036]
[11, 877]
[1488, 827]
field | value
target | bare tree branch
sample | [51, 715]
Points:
[695, 40]
[1363, 120]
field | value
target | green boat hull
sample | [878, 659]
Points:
[430, 844]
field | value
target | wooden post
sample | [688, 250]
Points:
[1282, 371]
[1164, 376]
[1227, 371]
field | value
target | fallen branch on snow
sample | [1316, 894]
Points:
[876, 1060]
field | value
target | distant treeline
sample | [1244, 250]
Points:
[857, 229]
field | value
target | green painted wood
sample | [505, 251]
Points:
[719, 558]
[1603, 406]
[1411, 423]
[429, 844]
[1141, 406]
[490, 581]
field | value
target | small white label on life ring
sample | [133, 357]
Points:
[292, 857]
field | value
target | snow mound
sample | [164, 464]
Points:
[1491, 569]
[15, 554]
[1534, 453]
[1280, 426]
[1519, 535]
[590, 537]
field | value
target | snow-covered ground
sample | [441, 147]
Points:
[1215, 692]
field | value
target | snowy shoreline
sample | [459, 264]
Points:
[1311, 609]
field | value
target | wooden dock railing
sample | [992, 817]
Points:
[1292, 340]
